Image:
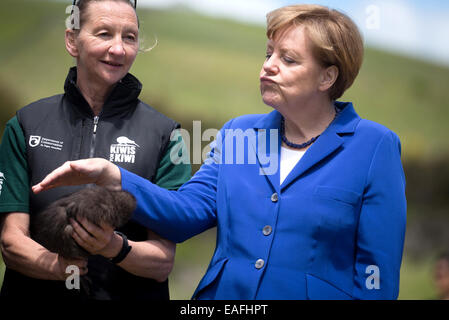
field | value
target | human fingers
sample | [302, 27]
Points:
[98, 232]
[66, 174]
[72, 173]
[82, 237]
[92, 237]
[106, 227]
[53, 179]
[103, 235]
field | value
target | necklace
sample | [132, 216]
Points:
[307, 143]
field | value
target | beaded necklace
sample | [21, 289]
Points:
[307, 143]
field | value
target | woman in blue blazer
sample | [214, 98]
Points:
[308, 200]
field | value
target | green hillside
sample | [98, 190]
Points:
[204, 68]
[207, 69]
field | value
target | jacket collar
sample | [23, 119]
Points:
[123, 96]
[346, 121]
[328, 143]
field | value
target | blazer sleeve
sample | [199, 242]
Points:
[178, 215]
[381, 228]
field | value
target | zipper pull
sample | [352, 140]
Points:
[96, 118]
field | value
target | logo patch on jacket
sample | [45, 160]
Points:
[2, 178]
[36, 141]
[123, 151]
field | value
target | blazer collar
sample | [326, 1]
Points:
[328, 142]
[346, 121]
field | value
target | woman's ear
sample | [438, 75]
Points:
[328, 77]
[70, 42]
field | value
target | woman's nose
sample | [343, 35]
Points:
[270, 65]
[117, 47]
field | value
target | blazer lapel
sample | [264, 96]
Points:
[328, 142]
[267, 145]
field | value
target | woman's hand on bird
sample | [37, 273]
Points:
[96, 170]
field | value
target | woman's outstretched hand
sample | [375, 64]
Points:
[97, 170]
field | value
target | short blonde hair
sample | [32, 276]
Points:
[335, 39]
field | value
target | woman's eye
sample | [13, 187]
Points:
[130, 38]
[268, 56]
[289, 60]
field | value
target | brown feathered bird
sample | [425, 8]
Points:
[52, 229]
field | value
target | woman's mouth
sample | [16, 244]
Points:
[266, 80]
[113, 64]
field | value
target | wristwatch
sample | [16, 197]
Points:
[126, 248]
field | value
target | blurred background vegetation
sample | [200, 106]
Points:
[207, 69]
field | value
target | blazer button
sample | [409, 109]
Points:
[259, 264]
[267, 230]
[274, 197]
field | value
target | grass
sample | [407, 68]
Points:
[417, 280]
[191, 262]
[208, 68]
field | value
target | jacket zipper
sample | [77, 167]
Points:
[94, 134]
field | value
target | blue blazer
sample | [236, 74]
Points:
[334, 229]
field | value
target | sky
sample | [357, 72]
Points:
[417, 28]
